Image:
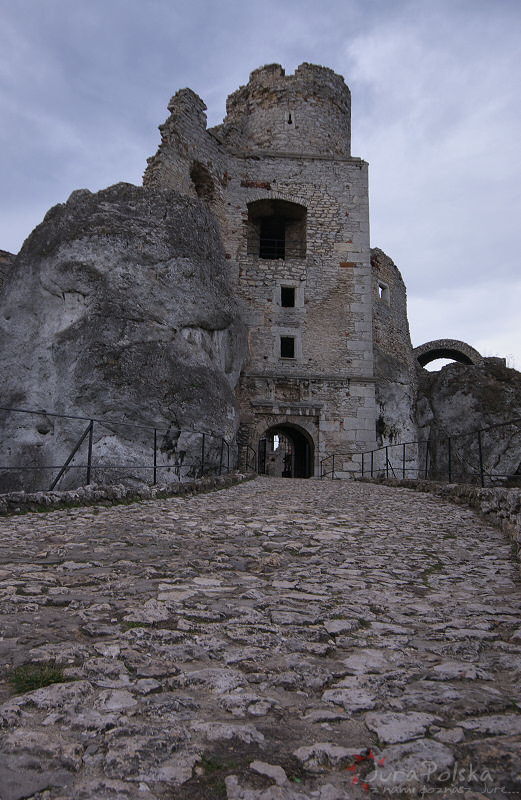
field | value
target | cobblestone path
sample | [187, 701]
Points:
[279, 640]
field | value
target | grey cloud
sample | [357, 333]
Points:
[83, 87]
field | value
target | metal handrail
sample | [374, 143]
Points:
[423, 460]
[250, 465]
[224, 457]
[324, 472]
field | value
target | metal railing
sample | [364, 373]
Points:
[248, 459]
[162, 451]
[401, 460]
[272, 248]
[331, 463]
[459, 458]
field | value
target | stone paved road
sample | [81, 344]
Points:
[277, 640]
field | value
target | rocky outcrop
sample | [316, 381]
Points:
[461, 399]
[6, 262]
[119, 307]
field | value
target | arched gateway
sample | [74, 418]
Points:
[286, 451]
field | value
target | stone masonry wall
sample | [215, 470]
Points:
[189, 159]
[333, 317]
[395, 366]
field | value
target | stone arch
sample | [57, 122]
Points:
[263, 191]
[447, 348]
[294, 455]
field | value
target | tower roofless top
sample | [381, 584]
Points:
[308, 112]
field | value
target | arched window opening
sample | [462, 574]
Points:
[276, 229]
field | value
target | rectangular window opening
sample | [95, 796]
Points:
[287, 296]
[287, 347]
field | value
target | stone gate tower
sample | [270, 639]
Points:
[293, 208]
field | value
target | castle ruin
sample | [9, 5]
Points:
[292, 341]
[329, 346]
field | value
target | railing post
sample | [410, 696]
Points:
[363, 465]
[386, 461]
[449, 454]
[202, 457]
[403, 462]
[89, 455]
[333, 472]
[87, 432]
[221, 456]
[228, 457]
[426, 459]
[155, 456]
[480, 450]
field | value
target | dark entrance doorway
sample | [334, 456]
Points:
[286, 452]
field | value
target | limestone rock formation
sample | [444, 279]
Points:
[462, 399]
[118, 306]
[6, 262]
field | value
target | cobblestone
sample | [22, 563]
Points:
[279, 639]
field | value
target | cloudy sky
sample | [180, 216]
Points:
[436, 113]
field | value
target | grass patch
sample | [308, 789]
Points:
[30, 676]
[212, 764]
[127, 625]
[233, 757]
[364, 623]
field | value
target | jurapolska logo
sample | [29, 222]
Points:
[359, 760]
[455, 781]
